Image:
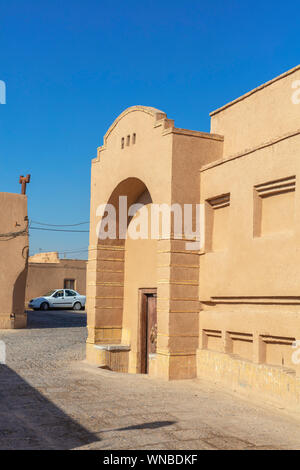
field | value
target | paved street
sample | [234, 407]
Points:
[51, 399]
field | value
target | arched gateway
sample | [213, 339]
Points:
[142, 294]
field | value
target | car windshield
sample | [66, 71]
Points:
[49, 293]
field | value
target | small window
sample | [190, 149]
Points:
[128, 140]
[217, 222]
[274, 206]
[122, 142]
[133, 138]
[69, 284]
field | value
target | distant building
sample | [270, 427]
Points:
[46, 271]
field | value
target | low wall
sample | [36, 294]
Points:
[252, 348]
[270, 382]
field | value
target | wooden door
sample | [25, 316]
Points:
[148, 327]
[151, 327]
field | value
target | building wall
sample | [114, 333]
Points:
[258, 116]
[46, 272]
[13, 260]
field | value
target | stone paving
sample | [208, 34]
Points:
[51, 399]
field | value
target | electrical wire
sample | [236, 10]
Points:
[70, 252]
[57, 225]
[58, 230]
[77, 250]
[11, 235]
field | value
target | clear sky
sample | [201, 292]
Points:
[71, 67]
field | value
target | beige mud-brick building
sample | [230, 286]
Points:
[46, 271]
[13, 259]
[229, 311]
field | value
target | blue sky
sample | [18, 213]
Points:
[71, 67]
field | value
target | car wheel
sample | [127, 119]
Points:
[77, 306]
[44, 306]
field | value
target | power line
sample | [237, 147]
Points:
[57, 225]
[11, 235]
[70, 252]
[57, 230]
[77, 250]
[83, 248]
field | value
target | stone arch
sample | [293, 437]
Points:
[156, 163]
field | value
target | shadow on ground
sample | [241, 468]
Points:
[28, 420]
[55, 319]
[150, 425]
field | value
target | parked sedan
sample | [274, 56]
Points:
[59, 298]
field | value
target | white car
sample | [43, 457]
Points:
[59, 298]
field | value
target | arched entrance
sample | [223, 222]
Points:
[126, 283]
[123, 274]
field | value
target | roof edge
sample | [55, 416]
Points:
[255, 90]
[156, 113]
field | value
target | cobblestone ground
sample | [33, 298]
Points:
[51, 399]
